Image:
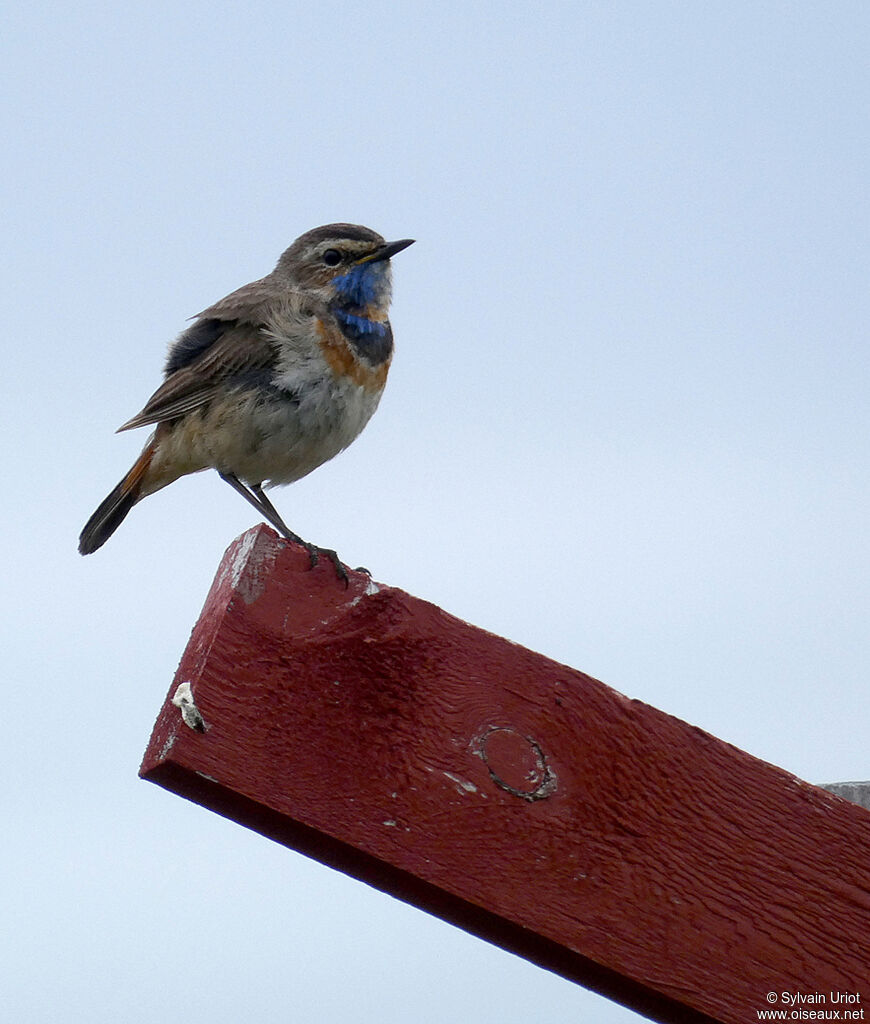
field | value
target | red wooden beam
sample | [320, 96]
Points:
[515, 797]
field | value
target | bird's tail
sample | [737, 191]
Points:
[114, 508]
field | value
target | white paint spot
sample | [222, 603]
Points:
[183, 700]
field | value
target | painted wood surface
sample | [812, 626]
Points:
[513, 796]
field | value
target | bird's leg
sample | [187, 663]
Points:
[255, 496]
[265, 507]
[313, 550]
[271, 513]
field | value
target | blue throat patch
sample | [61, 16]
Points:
[357, 326]
[361, 288]
[361, 285]
[369, 338]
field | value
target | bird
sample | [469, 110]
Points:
[271, 381]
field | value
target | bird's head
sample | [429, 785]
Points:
[346, 265]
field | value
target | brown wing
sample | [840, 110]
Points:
[237, 349]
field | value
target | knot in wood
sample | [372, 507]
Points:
[516, 763]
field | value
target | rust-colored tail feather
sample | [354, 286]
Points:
[115, 506]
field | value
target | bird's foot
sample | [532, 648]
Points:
[314, 553]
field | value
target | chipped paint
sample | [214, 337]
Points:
[462, 785]
[168, 745]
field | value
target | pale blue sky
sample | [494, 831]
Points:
[626, 426]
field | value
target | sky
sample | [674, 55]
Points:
[626, 426]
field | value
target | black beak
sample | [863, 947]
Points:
[388, 250]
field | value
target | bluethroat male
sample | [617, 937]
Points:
[271, 381]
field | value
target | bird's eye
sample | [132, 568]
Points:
[332, 257]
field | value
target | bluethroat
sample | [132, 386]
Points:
[271, 381]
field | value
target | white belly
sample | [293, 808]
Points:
[286, 440]
[264, 438]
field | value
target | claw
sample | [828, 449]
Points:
[338, 565]
[313, 552]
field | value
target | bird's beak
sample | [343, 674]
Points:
[386, 251]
